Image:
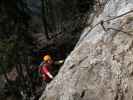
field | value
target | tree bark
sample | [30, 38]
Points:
[44, 20]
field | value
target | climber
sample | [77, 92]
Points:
[46, 67]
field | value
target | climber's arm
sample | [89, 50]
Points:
[50, 75]
[47, 72]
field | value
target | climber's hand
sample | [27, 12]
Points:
[61, 61]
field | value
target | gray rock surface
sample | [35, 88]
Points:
[101, 65]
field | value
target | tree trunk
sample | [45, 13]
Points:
[44, 20]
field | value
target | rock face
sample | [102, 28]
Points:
[101, 65]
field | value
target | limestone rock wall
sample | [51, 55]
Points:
[101, 65]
